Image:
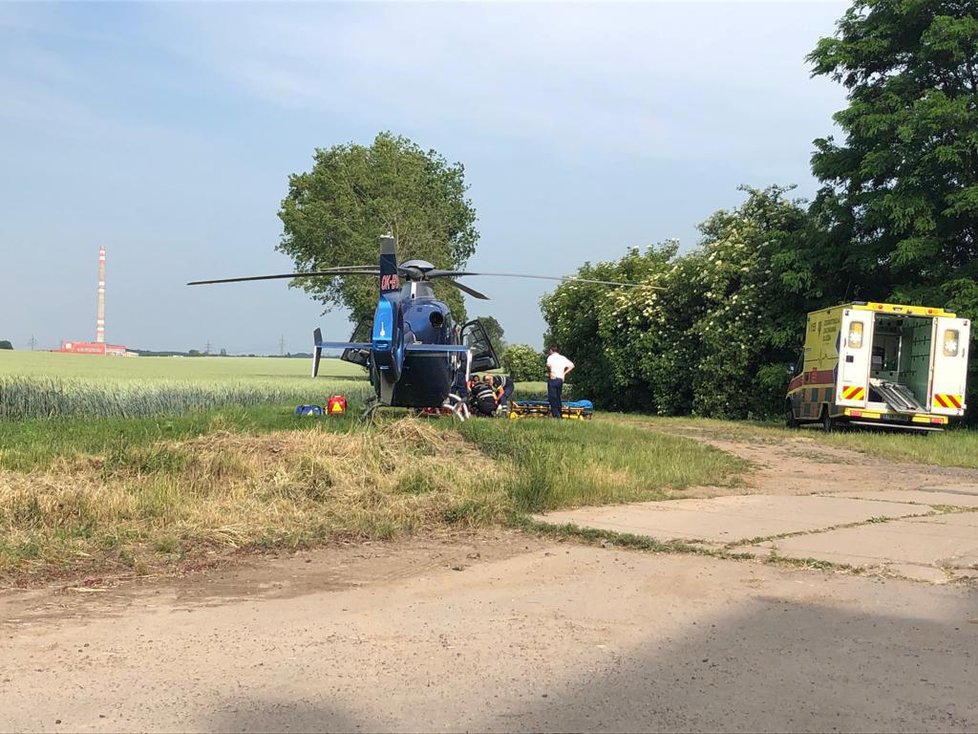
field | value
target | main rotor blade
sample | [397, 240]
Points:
[436, 273]
[332, 272]
[566, 279]
[347, 268]
[465, 289]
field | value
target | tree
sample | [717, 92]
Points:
[580, 323]
[334, 214]
[710, 332]
[5, 344]
[494, 332]
[900, 194]
[524, 364]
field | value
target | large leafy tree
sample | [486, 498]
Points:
[580, 323]
[900, 195]
[334, 214]
[708, 332]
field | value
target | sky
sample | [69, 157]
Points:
[167, 133]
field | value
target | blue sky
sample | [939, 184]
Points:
[167, 132]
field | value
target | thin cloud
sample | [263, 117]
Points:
[649, 80]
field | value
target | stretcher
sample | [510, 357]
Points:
[575, 410]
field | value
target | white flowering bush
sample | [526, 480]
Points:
[524, 364]
[715, 337]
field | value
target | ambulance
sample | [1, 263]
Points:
[880, 364]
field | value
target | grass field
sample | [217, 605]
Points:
[124, 496]
[954, 447]
[558, 464]
[50, 385]
[133, 465]
[52, 364]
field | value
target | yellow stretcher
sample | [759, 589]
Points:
[578, 410]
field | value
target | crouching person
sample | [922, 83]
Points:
[502, 387]
[482, 399]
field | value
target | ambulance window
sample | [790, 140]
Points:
[951, 340]
[799, 364]
[856, 335]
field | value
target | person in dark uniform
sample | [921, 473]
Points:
[482, 399]
[502, 387]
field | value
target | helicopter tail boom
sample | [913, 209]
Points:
[389, 279]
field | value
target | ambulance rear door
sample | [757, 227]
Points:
[855, 350]
[949, 365]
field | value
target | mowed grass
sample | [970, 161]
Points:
[135, 507]
[951, 448]
[124, 497]
[48, 385]
[559, 464]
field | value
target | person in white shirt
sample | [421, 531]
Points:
[558, 367]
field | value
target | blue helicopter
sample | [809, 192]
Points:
[415, 354]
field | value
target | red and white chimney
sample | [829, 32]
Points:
[100, 318]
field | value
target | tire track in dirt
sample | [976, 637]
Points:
[801, 465]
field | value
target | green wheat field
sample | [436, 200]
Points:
[52, 385]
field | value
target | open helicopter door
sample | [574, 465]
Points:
[483, 355]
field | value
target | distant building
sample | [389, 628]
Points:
[112, 350]
[98, 346]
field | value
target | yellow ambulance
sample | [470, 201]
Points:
[880, 363]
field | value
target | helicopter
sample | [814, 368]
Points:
[415, 354]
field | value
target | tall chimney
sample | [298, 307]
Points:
[100, 319]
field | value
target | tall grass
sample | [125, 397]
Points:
[572, 463]
[56, 397]
[53, 364]
[133, 507]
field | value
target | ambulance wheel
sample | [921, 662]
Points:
[789, 415]
[828, 422]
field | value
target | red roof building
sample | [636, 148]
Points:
[113, 350]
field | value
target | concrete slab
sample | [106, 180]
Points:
[947, 496]
[732, 519]
[925, 548]
[971, 489]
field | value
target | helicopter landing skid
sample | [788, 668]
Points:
[370, 410]
[457, 406]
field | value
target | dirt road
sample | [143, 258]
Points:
[497, 632]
